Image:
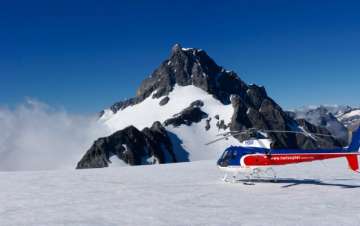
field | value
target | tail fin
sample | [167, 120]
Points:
[355, 143]
[353, 162]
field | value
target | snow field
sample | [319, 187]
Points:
[180, 194]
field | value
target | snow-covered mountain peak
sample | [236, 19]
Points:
[177, 47]
[338, 119]
[350, 118]
[334, 109]
[186, 102]
[323, 116]
[187, 66]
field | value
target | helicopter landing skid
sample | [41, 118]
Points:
[256, 175]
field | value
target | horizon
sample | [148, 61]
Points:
[85, 56]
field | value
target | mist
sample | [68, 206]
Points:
[36, 136]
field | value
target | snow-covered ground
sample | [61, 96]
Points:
[322, 193]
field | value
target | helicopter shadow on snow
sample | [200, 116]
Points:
[291, 182]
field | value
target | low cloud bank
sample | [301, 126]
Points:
[35, 136]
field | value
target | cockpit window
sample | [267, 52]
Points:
[225, 154]
[228, 157]
[229, 154]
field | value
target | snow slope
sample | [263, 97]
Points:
[350, 114]
[145, 113]
[180, 194]
[350, 119]
[191, 138]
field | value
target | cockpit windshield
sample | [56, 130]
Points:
[229, 154]
[227, 157]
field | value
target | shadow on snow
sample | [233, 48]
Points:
[180, 153]
[290, 182]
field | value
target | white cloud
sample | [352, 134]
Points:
[35, 136]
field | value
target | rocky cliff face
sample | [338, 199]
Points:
[251, 108]
[329, 117]
[134, 147]
[319, 141]
[187, 66]
[259, 111]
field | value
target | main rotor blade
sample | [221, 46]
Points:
[273, 131]
[234, 133]
[226, 136]
[217, 140]
[296, 132]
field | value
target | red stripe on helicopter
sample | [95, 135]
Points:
[283, 159]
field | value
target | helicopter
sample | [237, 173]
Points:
[255, 162]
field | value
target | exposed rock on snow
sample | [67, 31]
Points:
[208, 126]
[132, 146]
[191, 114]
[197, 103]
[221, 125]
[164, 101]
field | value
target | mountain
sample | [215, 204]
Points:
[194, 99]
[324, 117]
[350, 118]
[339, 120]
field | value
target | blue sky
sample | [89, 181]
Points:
[85, 55]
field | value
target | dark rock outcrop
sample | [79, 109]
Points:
[187, 67]
[221, 125]
[191, 114]
[134, 147]
[257, 110]
[164, 101]
[197, 103]
[208, 126]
